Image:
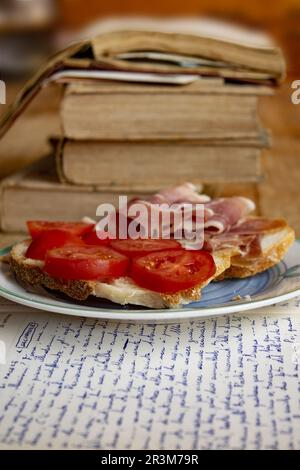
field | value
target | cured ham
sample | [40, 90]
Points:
[245, 236]
[163, 207]
[219, 215]
[240, 244]
[184, 193]
[222, 214]
[226, 221]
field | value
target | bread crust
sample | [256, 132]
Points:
[79, 290]
[29, 273]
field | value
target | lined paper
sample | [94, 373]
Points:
[230, 382]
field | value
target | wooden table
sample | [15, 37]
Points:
[277, 196]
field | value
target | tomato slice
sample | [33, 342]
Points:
[142, 247]
[86, 262]
[48, 240]
[172, 271]
[35, 227]
[91, 238]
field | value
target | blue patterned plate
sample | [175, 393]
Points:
[277, 284]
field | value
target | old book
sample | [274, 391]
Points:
[233, 48]
[36, 193]
[110, 111]
[139, 165]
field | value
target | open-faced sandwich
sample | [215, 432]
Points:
[157, 273]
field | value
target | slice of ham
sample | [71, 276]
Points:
[240, 244]
[219, 214]
[226, 224]
[161, 206]
[245, 236]
[224, 213]
[184, 193]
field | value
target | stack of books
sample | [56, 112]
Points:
[142, 110]
[135, 136]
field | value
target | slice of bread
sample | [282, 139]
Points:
[122, 291]
[274, 245]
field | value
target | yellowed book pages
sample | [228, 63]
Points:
[91, 114]
[204, 85]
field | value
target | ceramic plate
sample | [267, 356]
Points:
[277, 284]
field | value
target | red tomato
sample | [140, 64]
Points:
[172, 270]
[91, 238]
[35, 227]
[85, 262]
[142, 247]
[48, 240]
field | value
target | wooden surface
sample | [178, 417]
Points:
[277, 196]
[75, 12]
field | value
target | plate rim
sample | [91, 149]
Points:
[143, 314]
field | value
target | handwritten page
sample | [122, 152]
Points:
[230, 382]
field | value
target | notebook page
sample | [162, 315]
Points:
[221, 383]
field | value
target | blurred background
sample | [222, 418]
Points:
[30, 30]
[39, 25]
